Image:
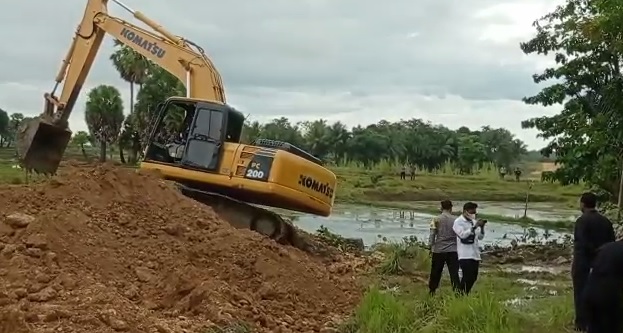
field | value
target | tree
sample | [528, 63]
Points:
[79, 139]
[159, 85]
[134, 68]
[15, 119]
[584, 38]
[104, 116]
[251, 131]
[413, 141]
[471, 153]
[4, 127]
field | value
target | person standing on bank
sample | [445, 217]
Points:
[465, 227]
[442, 244]
[592, 230]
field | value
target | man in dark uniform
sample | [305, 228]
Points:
[603, 293]
[592, 230]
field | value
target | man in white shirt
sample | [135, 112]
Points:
[465, 227]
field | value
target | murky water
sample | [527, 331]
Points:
[377, 224]
[543, 211]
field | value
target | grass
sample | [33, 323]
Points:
[377, 185]
[398, 301]
[483, 312]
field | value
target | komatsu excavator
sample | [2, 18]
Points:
[204, 157]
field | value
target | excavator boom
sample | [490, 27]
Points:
[41, 142]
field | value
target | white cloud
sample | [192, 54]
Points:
[456, 63]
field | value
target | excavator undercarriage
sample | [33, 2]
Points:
[242, 215]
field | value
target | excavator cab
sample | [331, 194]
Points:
[191, 133]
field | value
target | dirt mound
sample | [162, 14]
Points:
[537, 254]
[102, 249]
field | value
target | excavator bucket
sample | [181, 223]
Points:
[41, 145]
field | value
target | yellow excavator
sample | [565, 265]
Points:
[205, 156]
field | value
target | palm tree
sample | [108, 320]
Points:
[104, 116]
[317, 137]
[134, 69]
[339, 137]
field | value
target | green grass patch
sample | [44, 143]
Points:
[501, 301]
[365, 186]
[483, 311]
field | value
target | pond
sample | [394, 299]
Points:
[540, 211]
[374, 225]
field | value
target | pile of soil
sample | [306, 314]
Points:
[537, 254]
[104, 249]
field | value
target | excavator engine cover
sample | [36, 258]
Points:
[41, 145]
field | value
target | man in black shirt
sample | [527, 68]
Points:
[592, 230]
[603, 293]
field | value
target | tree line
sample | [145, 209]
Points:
[409, 142]
[412, 142]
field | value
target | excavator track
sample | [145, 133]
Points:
[242, 215]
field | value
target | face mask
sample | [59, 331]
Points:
[472, 217]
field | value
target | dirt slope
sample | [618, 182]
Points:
[105, 249]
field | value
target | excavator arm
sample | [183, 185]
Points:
[42, 141]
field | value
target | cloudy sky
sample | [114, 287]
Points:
[356, 61]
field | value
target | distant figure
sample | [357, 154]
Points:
[403, 172]
[502, 172]
[603, 294]
[517, 174]
[468, 251]
[591, 231]
[412, 169]
[442, 243]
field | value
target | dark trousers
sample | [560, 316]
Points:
[603, 301]
[469, 267]
[403, 175]
[579, 275]
[439, 260]
[604, 319]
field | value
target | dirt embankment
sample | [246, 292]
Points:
[103, 249]
[554, 254]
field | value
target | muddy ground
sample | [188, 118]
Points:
[105, 249]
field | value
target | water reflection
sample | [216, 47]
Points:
[373, 224]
